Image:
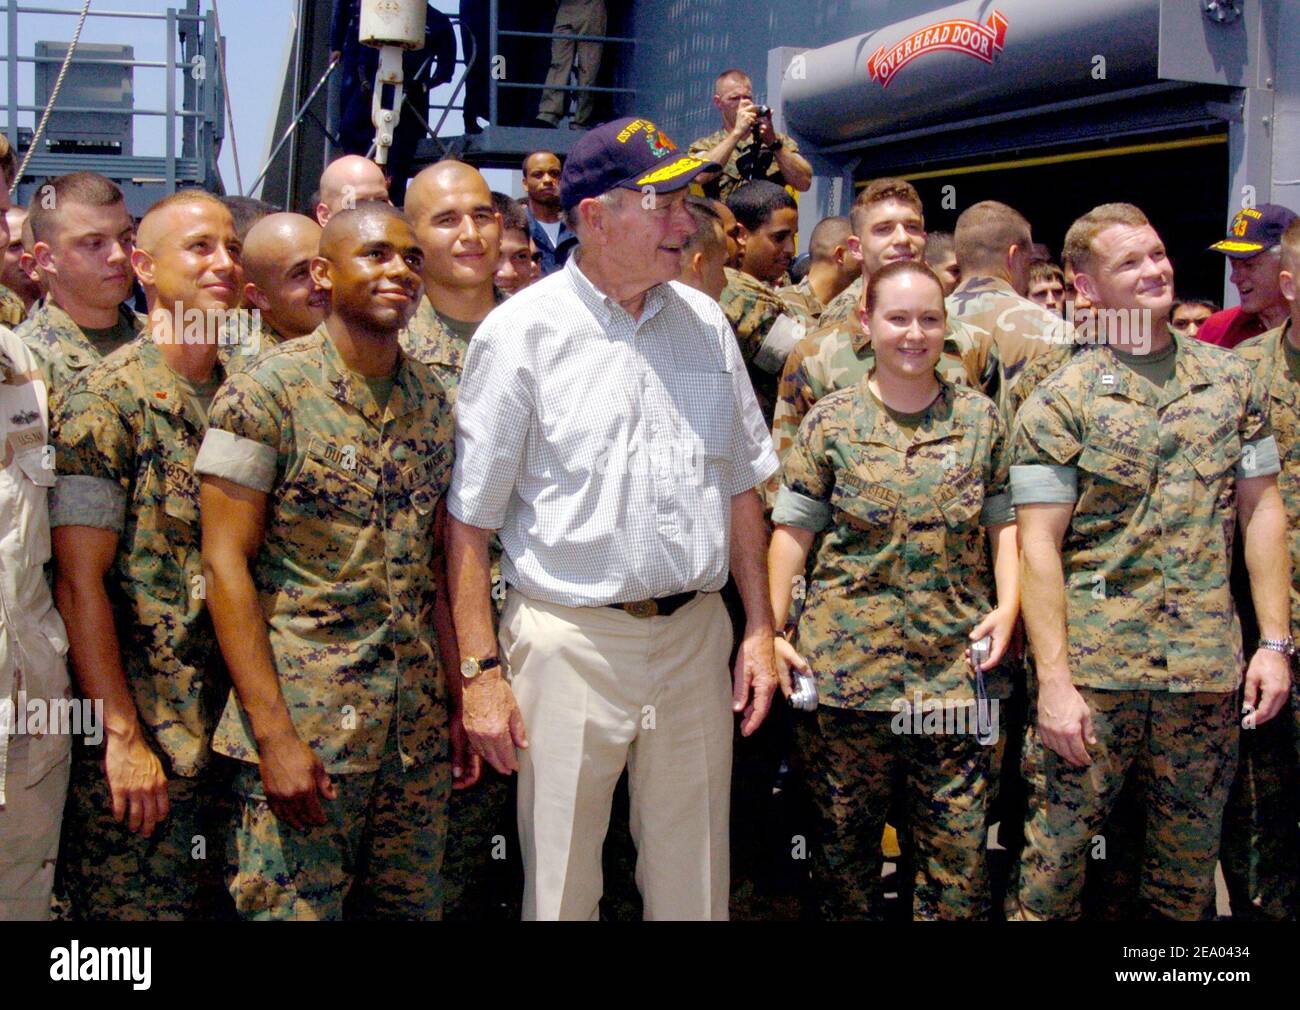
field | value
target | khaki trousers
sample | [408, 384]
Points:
[575, 17]
[29, 836]
[600, 689]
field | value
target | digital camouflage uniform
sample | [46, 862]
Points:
[1154, 644]
[765, 329]
[247, 336]
[803, 303]
[478, 815]
[1021, 329]
[345, 578]
[902, 573]
[838, 356]
[62, 349]
[125, 440]
[844, 305]
[731, 175]
[1261, 847]
[12, 309]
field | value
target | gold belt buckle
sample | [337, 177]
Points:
[642, 608]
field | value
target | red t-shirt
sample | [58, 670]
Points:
[1230, 327]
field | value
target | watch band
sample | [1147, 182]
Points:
[1286, 646]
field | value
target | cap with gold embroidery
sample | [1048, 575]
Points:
[629, 153]
[1255, 229]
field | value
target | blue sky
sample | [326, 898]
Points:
[257, 38]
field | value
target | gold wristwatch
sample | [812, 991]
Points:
[472, 666]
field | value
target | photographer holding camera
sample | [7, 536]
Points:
[747, 146]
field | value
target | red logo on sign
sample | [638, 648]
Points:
[958, 35]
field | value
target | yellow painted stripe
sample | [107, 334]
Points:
[1060, 159]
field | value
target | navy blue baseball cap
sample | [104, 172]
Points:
[1255, 229]
[629, 153]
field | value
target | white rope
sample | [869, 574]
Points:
[54, 95]
[225, 86]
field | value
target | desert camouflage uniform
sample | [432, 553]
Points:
[345, 577]
[1260, 844]
[477, 815]
[12, 310]
[838, 356]
[725, 184]
[62, 350]
[125, 440]
[765, 329]
[803, 303]
[1021, 329]
[902, 573]
[1154, 643]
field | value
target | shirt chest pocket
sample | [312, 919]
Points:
[1216, 459]
[865, 512]
[961, 499]
[1111, 484]
[332, 485]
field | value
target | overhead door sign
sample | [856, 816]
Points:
[958, 35]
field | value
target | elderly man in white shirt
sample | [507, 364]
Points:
[34, 685]
[607, 429]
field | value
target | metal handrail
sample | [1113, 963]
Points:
[567, 35]
[83, 61]
[110, 110]
[206, 104]
[566, 87]
[142, 15]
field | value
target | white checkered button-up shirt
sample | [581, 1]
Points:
[606, 449]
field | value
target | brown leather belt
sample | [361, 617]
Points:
[661, 607]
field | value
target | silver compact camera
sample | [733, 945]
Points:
[804, 698]
[981, 650]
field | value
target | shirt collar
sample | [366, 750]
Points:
[348, 388]
[602, 304]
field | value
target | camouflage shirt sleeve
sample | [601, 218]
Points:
[94, 452]
[794, 399]
[243, 438]
[807, 479]
[1259, 454]
[997, 477]
[1044, 449]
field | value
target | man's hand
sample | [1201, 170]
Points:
[766, 132]
[1064, 722]
[746, 113]
[466, 766]
[295, 780]
[136, 781]
[756, 679]
[493, 722]
[1268, 682]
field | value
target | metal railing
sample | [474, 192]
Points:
[496, 33]
[199, 113]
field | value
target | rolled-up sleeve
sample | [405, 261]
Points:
[1044, 448]
[244, 429]
[94, 452]
[494, 407]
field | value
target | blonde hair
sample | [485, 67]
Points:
[1078, 251]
